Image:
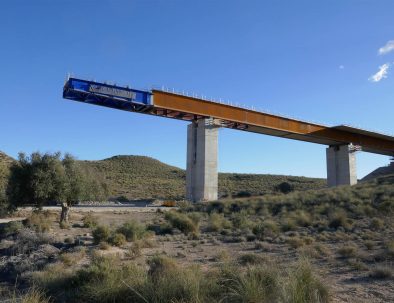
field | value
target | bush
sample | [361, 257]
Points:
[304, 287]
[32, 295]
[11, 228]
[39, 221]
[117, 239]
[182, 222]
[267, 228]
[217, 222]
[241, 220]
[376, 224]
[89, 221]
[249, 259]
[132, 230]
[256, 284]
[382, 273]
[338, 219]
[285, 187]
[29, 240]
[347, 251]
[101, 234]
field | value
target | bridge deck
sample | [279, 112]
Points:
[182, 107]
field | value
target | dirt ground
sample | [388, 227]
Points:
[347, 281]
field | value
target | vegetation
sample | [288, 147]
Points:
[137, 177]
[107, 279]
[41, 179]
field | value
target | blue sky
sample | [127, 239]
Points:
[325, 61]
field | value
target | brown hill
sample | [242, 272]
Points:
[380, 172]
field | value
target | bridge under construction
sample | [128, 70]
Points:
[207, 117]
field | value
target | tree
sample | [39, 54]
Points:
[46, 178]
[285, 187]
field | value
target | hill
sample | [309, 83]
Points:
[140, 177]
[379, 172]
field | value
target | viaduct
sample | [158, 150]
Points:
[207, 117]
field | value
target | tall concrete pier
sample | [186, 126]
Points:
[202, 164]
[341, 165]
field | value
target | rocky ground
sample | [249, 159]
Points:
[355, 265]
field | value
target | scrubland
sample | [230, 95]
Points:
[329, 245]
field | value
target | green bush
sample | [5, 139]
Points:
[101, 234]
[256, 284]
[267, 228]
[217, 222]
[182, 222]
[304, 287]
[132, 230]
[117, 239]
[89, 221]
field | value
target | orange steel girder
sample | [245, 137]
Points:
[269, 124]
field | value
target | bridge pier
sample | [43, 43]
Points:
[341, 165]
[201, 166]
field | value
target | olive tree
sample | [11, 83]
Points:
[46, 178]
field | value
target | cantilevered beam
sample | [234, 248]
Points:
[274, 125]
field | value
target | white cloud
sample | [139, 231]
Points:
[382, 73]
[389, 47]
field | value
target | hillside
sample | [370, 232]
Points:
[139, 177]
[380, 172]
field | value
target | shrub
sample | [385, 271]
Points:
[266, 228]
[195, 217]
[217, 222]
[284, 187]
[32, 295]
[182, 222]
[347, 251]
[304, 287]
[28, 240]
[10, 228]
[390, 248]
[39, 221]
[134, 251]
[117, 239]
[338, 219]
[241, 220]
[242, 194]
[381, 272]
[303, 219]
[249, 259]
[64, 225]
[288, 224]
[256, 284]
[101, 234]
[376, 224]
[295, 242]
[132, 230]
[369, 244]
[89, 221]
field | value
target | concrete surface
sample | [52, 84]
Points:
[202, 164]
[341, 166]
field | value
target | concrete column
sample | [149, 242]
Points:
[202, 165]
[341, 166]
